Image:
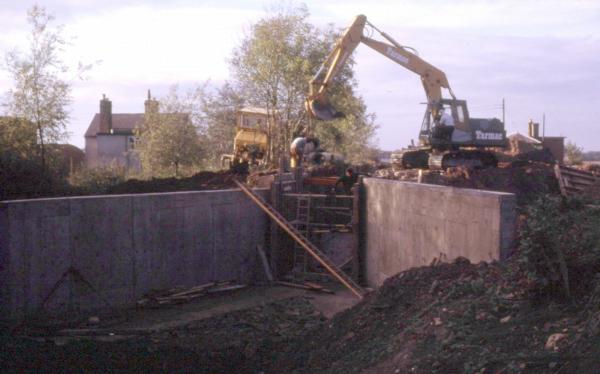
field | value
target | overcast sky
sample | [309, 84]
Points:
[540, 56]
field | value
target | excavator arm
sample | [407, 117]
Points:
[318, 105]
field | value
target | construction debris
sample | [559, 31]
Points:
[305, 286]
[178, 296]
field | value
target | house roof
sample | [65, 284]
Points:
[524, 138]
[121, 122]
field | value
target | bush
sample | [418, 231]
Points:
[97, 180]
[22, 177]
[559, 238]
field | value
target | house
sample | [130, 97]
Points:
[110, 138]
[520, 143]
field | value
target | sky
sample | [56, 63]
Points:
[541, 57]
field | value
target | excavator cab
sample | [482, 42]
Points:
[464, 131]
[437, 132]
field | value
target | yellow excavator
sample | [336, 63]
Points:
[448, 136]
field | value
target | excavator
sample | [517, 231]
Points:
[448, 136]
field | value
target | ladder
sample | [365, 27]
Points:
[303, 242]
[302, 224]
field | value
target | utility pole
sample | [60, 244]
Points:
[543, 125]
[503, 112]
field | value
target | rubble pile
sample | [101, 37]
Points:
[453, 318]
[526, 179]
[205, 180]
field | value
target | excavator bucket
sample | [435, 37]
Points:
[324, 110]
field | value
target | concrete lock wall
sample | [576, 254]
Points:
[410, 224]
[124, 246]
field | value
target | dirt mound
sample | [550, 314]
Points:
[236, 342]
[524, 178]
[451, 318]
[205, 180]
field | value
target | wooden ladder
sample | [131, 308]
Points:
[303, 242]
[302, 224]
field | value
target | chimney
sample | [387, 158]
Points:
[105, 116]
[150, 105]
[534, 129]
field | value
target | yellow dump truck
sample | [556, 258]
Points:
[251, 140]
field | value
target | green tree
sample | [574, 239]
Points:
[17, 137]
[273, 66]
[41, 94]
[169, 139]
[574, 153]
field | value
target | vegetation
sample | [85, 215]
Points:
[169, 142]
[36, 108]
[558, 238]
[97, 180]
[573, 153]
[272, 67]
[41, 95]
[591, 156]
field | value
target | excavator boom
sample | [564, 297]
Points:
[446, 139]
[318, 105]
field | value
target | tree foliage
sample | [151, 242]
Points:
[220, 109]
[41, 94]
[17, 136]
[559, 239]
[273, 66]
[574, 153]
[169, 138]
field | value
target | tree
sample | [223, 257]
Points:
[574, 153]
[273, 66]
[220, 109]
[17, 136]
[41, 94]
[169, 138]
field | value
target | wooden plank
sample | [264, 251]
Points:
[573, 181]
[302, 241]
[193, 290]
[227, 288]
[306, 286]
[317, 196]
[579, 174]
[339, 208]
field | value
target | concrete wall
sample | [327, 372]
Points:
[123, 246]
[410, 224]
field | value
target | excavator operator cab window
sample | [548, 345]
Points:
[459, 113]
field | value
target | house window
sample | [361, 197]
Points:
[132, 141]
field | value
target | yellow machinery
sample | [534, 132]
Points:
[251, 140]
[446, 139]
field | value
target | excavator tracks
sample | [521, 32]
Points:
[411, 159]
[427, 159]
